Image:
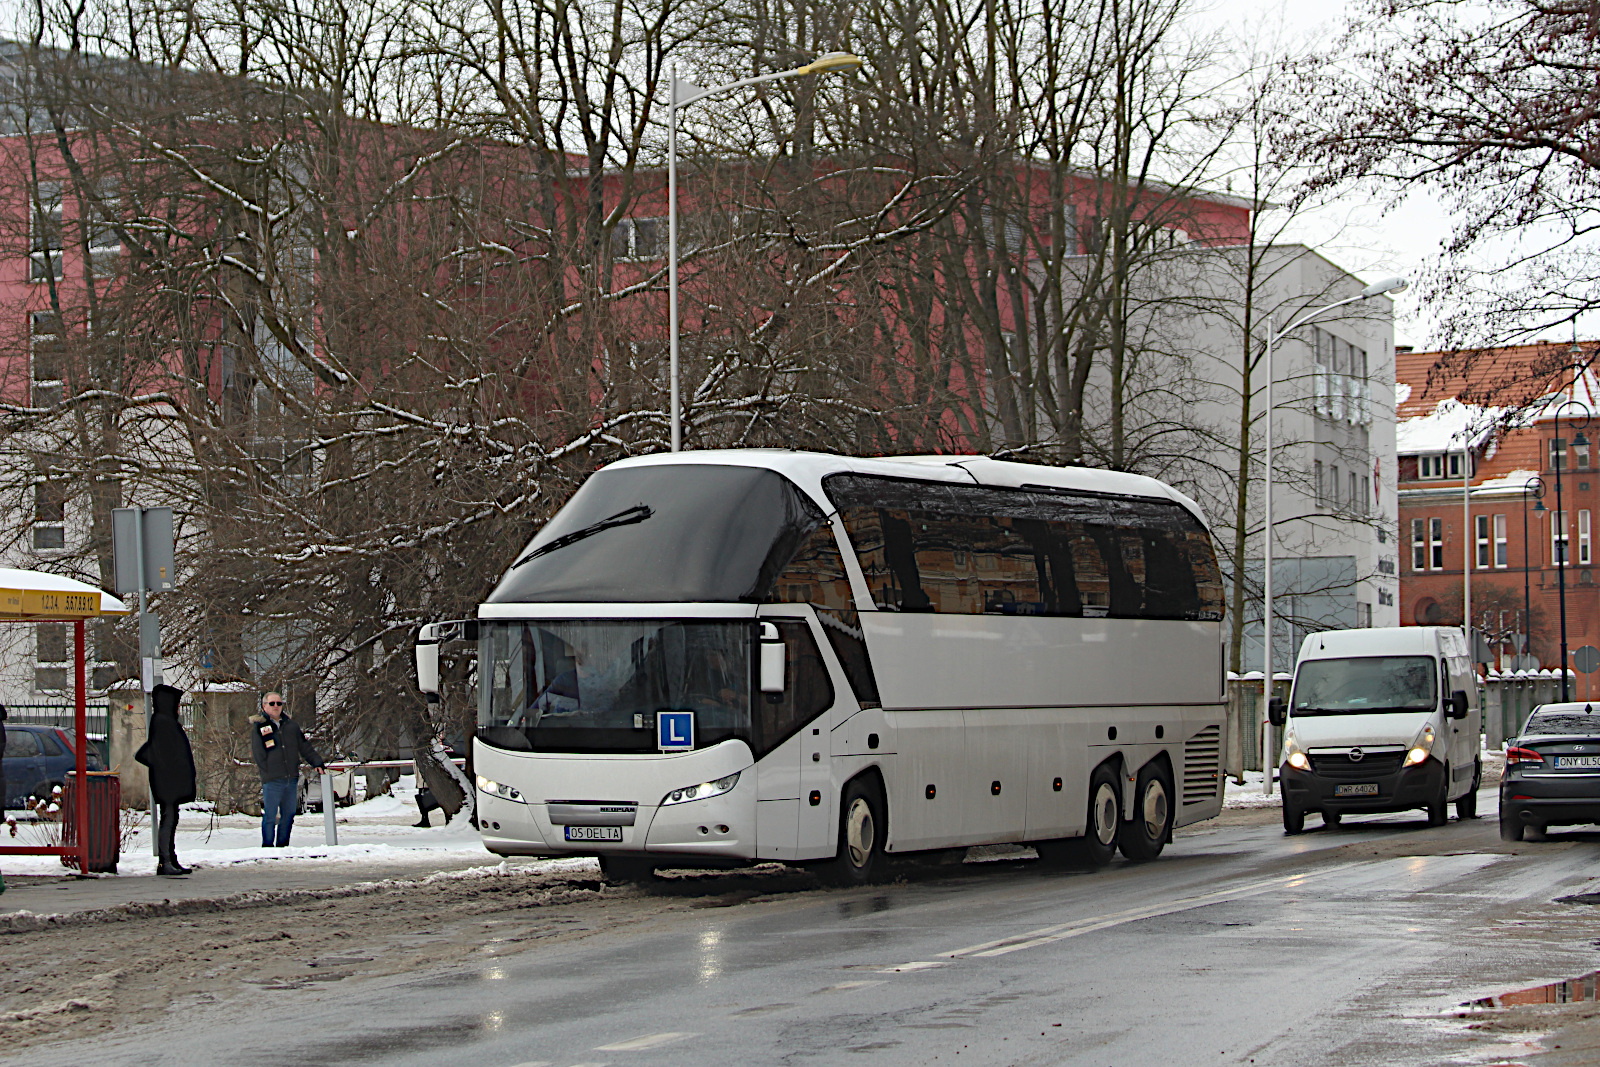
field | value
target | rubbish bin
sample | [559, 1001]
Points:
[105, 820]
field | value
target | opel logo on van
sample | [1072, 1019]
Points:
[1356, 755]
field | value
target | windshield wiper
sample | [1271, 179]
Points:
[625, 517]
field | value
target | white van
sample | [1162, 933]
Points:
[1381, 720]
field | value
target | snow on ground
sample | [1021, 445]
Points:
[374, 832]
[1249, 795]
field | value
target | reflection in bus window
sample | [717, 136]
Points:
[806, 694]
[979, 550]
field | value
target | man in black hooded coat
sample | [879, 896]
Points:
[171, 762]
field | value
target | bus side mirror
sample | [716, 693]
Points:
[1458, 704]
[772, 658]
[428, 667]
[1277, 712]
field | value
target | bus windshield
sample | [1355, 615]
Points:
[684, 533]
[1366, 684]
[596, 685]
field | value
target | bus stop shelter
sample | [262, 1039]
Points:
[33, 597]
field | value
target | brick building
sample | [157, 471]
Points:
[1499, 421]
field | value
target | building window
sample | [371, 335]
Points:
[1580, 453]
[49, 514]
[1363, 616]
[1558, 538]
[1333, 487]
[50, 642]
[1583, 538]
[50, 679]
[1454, 465]
[640, 239]
[1502, 547]
[1419, 544]
[1352, 500]
[1430, 468]
[1558, 453]
[1366, 499]
[1480, 530]
[1436, 544]
[44, 232]
[45, 345]
[1316, 477]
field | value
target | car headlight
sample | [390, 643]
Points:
[1421, 747]
[498, 789]
[701, 791]
[1294, 755]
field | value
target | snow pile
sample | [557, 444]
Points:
[1450, 425]
[375, 832]
[1249, 795]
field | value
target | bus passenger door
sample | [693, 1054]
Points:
[800, 715]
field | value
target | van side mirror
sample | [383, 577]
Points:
[1458, 704]
[772, 659]
[1277, 712]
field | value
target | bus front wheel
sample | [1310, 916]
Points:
[627, 869]
[862, 828]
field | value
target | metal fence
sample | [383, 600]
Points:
[60, 715]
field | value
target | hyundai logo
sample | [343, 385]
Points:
[1356, 755]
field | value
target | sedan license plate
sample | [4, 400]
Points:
[1564, 762]
[1356, 789]
[594, 833]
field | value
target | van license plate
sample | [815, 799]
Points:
[1563, 762]
[1357, 789]
[594, 833]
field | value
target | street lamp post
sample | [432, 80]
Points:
[1388, 285]
[1534, 485]
[1560, 516]
[686, 93]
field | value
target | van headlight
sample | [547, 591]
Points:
[1421, 747]
[701, 791]
[498, 789]
[1294, 755]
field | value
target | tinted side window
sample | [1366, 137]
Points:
[806, 694]
[850, 645]
[815, 574]
[22, 743]
[50, 745]
[976, 550]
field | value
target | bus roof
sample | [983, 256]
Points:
[808, 469]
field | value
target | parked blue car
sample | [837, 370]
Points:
[38, 758]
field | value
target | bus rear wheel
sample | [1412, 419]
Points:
[1098, 845]
[862, 830]
[1142, 839]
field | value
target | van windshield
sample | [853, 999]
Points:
[1368, 684]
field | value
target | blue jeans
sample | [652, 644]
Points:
[279, 800]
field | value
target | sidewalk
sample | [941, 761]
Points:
[377, 841]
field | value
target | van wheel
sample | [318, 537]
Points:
[1332, 819]
[1294, 819]
[628, 869]
[1439, 807]
[862, 829]
[1467, 805]
[1510, 826]
[1143, 839]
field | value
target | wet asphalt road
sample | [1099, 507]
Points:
[1238, 946]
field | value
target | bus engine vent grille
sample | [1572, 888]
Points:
[1202, 762]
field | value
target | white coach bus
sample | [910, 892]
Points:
[718, 658]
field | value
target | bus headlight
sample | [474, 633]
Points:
[1421, 747]
[1294, 755]
[702, 791]
[504, 792]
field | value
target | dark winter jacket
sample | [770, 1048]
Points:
[279, 747]
[167, 752]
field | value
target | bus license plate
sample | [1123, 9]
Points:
[1577, 761]
[1357, 789]
[594, 833]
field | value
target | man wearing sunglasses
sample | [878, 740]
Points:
[279, 746]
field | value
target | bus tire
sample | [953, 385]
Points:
[627, 869]
[1103, 825]
[1143, 838]
[862, 829]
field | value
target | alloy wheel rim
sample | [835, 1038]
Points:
[859, 831]
[1105, 814]
[1155, 808]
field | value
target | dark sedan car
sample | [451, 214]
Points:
[38, 758]
[1552, 772]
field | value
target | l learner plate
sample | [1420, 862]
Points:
[594, 833]
[1563, 762]
[1356, 789]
